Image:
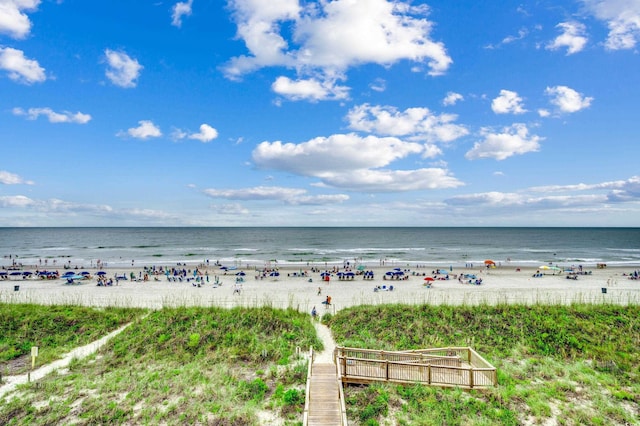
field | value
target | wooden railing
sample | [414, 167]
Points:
[305, 416]
[343, 405]
[457, 366]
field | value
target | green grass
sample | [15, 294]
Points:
[578, 364]
[575, 364]
[54, 329]
[180, 366]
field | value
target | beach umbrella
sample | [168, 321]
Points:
[545, 267]
[361, 268]
[429, 279]
[16, 273]
[325, 274]
[68, 274]
[3, 273]
[349, 274]
[101, 273]
[240, 274]
[27, 273]
[489, 262]
[85, 273]
[274, 274]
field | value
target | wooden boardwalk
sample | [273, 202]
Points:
[325, 404]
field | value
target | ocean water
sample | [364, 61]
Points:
[117, 247]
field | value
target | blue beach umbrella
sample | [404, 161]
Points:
[101, 273]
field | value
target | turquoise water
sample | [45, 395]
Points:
[255, 246]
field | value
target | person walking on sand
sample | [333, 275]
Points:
[319, 291]
[327, 301]
[314, 313]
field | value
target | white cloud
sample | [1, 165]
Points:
[206, 134]
[179, 10]
[393, 180]
[567, 100]
[52, 116]
[311, 89]
[518, 201]
[8, 201]
[513, 140]
[508, 102]
[256, 193]
[419, 122]
[21, 69]
[379, 85]
[560, 198]
[452, 98]
[233, 209]
[619, 190]
[337, 153]
[146, 129]
[543, 112]
[622, 18]
[522, 33]
[13, 20]
[123, 70]
[7, 178]
[572, 37]
[352, 162]
[292, 196]
[329, 37]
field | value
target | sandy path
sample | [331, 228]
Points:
[326, 356]
[78, 353]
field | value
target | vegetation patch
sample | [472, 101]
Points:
[180, 366]
[55, 330]
[577, 364]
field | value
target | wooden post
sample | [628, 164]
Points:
[429, 374]
[344, 366]
[471, 377]
[34, 354]
[386, 368]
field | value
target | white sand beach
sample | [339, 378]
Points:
[503, 284]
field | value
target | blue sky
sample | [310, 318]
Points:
[319, 113]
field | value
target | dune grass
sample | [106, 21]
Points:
[576, 364]
[181, 366]
[54, 329]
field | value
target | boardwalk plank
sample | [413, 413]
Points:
[324, 394]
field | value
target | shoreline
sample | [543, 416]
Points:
[291, 289]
